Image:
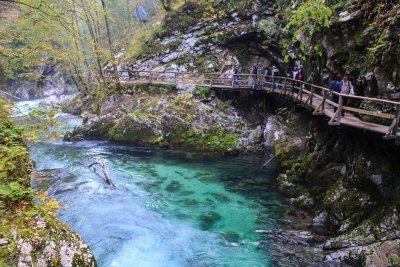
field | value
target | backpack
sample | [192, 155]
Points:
[346, 88]
[300, 76]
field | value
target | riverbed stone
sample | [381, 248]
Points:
[208, 219]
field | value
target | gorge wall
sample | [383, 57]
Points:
[347, 179]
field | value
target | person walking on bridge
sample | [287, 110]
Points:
[267, 74]
[255, 74]
[346, 89]
[295, 73]
[300, 75]
[336, 88]
[236, 76]
[275, 75]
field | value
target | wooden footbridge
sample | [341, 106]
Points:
[385, 119]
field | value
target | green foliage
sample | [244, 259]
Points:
[15, 163]
[212, 10]
[215, 139]
[15, 192]
[268, 29]
[284, 112]
[339, 5]
[225, 105]
[310, 17]
[202, 91]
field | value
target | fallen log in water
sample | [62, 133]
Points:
[106, 174]
[268, 162]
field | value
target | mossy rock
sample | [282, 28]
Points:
[42, 240]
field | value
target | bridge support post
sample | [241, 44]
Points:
[338, 114]
[265, 104]
[312, 95]
[321, 107]
[394, 127]
[284, 87]
[300, 94]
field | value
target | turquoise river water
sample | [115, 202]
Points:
[169, 208]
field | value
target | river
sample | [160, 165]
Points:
[169, 208]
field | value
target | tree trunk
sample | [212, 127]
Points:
[103, 3]
[128, 8]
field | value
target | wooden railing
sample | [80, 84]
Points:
[316, 97]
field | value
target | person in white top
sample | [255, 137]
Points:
[346, 89]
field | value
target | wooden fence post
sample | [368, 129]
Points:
[284, 86]
[301, 92]
[312, 95]
[340, 108]
[394, 127]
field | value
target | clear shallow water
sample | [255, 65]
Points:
[168, 209]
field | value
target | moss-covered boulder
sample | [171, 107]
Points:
[41, 240]
[164, 117]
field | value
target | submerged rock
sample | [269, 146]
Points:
[208, 219]
[173, 186]
[232, 237]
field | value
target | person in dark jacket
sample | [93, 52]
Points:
[255, 73]
[236, 76]
[336, 88]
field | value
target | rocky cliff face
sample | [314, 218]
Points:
[363, 41]
[52, 84]
[169, 117]
[188, 42]
[349, 180]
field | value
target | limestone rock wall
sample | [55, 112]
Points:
[350, 181]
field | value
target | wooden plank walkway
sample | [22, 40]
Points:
[314, 97]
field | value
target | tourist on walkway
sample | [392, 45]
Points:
[336, 88]
[300, 75]
[346, 89]
[275, 76]
[236, 76]
[255, 73]
[267, 76]
[295, 71]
